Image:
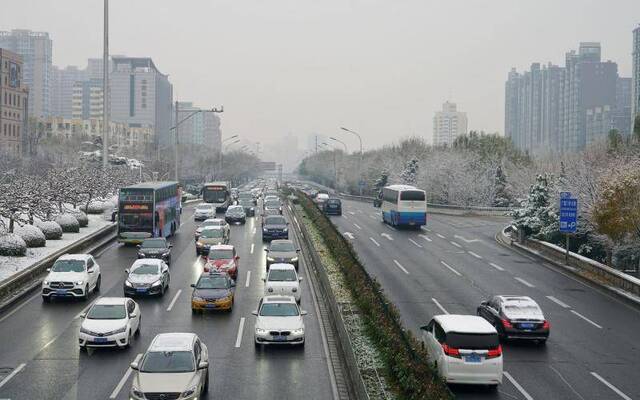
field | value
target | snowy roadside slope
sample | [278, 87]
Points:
[12, 265]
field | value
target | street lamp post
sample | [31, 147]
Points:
[335, 169]
[361, 155]
[225, 147]
[340, 141]
[105, 88]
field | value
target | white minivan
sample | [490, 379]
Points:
[465, 349]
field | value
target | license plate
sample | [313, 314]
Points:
[472, 358]
[141, 290]
[100, 339]
[61, 292]
[526, 326]
[332, 206]
[210, 306]
[279, 338]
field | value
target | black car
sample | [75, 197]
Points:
[235, 214]
[332, 207]
[155, 248]
[274, 227]
[249, 207]
[282, 251]
[515, 317]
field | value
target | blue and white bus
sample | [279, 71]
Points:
[404, 205]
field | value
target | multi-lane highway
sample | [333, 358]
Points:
[40, 358]
[454, 263]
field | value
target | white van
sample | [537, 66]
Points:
[465, 349]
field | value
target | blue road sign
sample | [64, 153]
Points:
[568, 213]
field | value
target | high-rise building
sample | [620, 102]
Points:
[448, 124]
[35, 49]
[87, 100]
[13, 103]
[635, 76]
[141, 94]
[546, 108]
[62, 83]
[622, 108]
[202, 129]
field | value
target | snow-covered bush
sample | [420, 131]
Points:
[12, 245]
[82, 218]
[50, 229]
[68, 223]
[97, 207]
[31, 235]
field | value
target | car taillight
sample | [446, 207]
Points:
[506, 323]
[546, 325]
[451, 351]
[496, 352]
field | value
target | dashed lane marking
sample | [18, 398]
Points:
[450, 268]
[175, 298]
[517, 385]
[240, 330]
[124, 379]
[252, 246]
[558, 302]
[496, 266]
[609, 385]
[524, 282]
[455, 244]
[425, 237]
[16, 309]
[415, 243]
[12, 374]
[401, 267]
[441, 236]
[478, 256]
[586, 319]
[439, 306]
[386, 235]
[374, 241]
[357, 226]
[248, 279]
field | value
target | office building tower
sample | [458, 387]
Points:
[62, 86]
[13, 104]
[448, 124]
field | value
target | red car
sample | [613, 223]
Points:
[223, 258]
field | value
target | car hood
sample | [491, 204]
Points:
[273, 226]
[279, 323]
[133, 278]
[210, 240]
[282, 254]
[212, 293]
[235, 214]
[66, 276]
[160, 382]
[220, 262]
[103, 325]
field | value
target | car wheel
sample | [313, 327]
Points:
[492, 388]
[205, 388]
[128, 344]
[83, 349]
[139, 326]
[85, 296]
[168, 281]
[98, 282]
[46, 299]
[194, 311]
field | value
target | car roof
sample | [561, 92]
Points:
[267, 217]
[111, 301]
[147, 261]
[74, 257]
[278, 299]
[212, 228]
[182, 341]
[281, 266]
[464, 323]
[222, 247]
[213, 220]
[517, 300]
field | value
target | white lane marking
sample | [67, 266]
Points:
[439, 306]
[49, 343]
[386, 235]
[496, 266]
[345, 217]
[425, 229]
[240, 330]
[360, 211]
[288, 205]
[425, 237]
[352, 213]
[15, 310]
[372, 217]
[12, 374]
[466, 240]
[357, 226]
[295, 219]
[517, 385]
[248, 279]
[609, 385]
[558, 302]
[124, 379]
[524, 282]
[586, 319]
[349, 235]
[401, 267]
[455, 244]
[475, 255]
[441, 236]
[253, 232]
[252, 246]
[374, 241]
[451, 269]
[175, 298]
[416, 243]
[390, 227]
[84, 310]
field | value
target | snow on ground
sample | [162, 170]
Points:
[11, 265]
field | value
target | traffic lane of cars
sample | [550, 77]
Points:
[569, 327]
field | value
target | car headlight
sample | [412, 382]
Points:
[189, 391]
[285, 229]
[196, 298]
[199, 244]
[142, 254]
[135, 392]
[260, 331]
[79, 283]
[298, 331]
[265, 230]
[46, 283]
[119, 330]
[127, 283]
[294, 259]
[157, 283]
[270, 259]
[83, 330]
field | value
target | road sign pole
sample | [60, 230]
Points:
[566, 254]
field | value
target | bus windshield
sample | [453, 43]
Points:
[142, 222]
[214, 195]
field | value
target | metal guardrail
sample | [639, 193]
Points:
[357, 384]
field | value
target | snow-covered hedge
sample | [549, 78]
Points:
[51, 229]
[12, 245]
[82, 218]
[31, 235]
[97, 207]
[68, 223]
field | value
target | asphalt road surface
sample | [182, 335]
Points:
[40, 357]
[454, 263]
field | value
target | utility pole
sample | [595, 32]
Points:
[105, 89]
[175, 151]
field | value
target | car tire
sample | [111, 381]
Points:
[137, 333]
[194, 311]
[492, 388]
[542, 342]
[128, 344]
[168, 281]
[46, 299]
[98, 283]
[85, 296]
[83, 349]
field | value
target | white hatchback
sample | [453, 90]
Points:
[110, 322]
[465, 349]
[282, 279]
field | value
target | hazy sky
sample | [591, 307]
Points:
[299, 66]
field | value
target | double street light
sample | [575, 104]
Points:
[340, 141]
[360, 184]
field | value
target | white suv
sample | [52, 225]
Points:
[204, 211]
[279, 321]
[465, 349]
[282, 279]
[110, 322]
[72, 275]
[175, 366]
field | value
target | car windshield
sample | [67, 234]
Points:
[246, 203]
[107, 311]
[275, 220]
[209, 223]
[212, 282]
[167, 361]
[279, 310]
[272, 204]
[211, 233]
[218, 254]
[146, 269]
[205, 207]
[282, 247]
[235, 210]
[68, 266]
[279, 275]
[154, 244]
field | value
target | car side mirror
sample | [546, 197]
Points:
[424, 328]
[254, 312]
[48, 269]
[170, 246]
[237, 257]
[300, 279]
[264, 279]
[90, 270]
[138, 247]
[83, 315]
[126, 271]
[298, 250]
[233, 283]
[303, 313]
[193, 285]
[134, 366]
[203, 365]
[267, 250]
[483, 303]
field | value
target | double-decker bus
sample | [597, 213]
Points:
[148, 210]
[404, 205]
[217, 193]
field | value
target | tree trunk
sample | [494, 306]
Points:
[11, 224]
